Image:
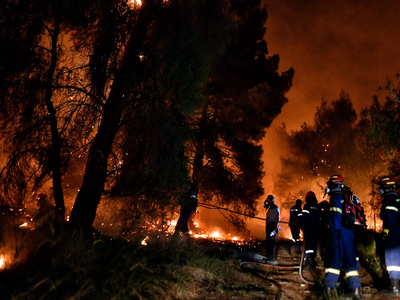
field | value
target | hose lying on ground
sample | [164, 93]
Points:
[210, 206]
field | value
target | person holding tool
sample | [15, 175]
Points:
[272, 228]
[188, 207]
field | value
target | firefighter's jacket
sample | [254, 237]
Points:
[296, 214]
[391, 232]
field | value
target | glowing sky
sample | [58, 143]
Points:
[333, 45]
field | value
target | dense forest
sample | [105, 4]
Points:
[126, 101]
[129, 101]
[120, 104]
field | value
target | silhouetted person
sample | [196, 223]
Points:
[188, 207]
[272, 228]
[294, 225]
[310, 228]
[391, 232]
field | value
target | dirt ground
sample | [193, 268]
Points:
[288, 284]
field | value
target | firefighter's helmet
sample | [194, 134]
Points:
[310, 194]
[387, 182]
[335, 184]
[336, 180]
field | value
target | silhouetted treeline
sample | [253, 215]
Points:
[125, 100]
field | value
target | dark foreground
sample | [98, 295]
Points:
[166, 268]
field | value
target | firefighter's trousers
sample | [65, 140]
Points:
[392, 252]
[341, 253]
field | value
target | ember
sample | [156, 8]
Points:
[23, 225]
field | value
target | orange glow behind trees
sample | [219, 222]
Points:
[130, 68]
[147, 95]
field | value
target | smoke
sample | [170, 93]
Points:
[332, 46]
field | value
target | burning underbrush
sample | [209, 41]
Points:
[205, 224]
[24, 231]
[108, 268]
[144, 260]
[15, 225]
[133, 258]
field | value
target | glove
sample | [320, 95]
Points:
[385, 234]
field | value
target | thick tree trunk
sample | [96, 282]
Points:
[84, 211]
[199, 147]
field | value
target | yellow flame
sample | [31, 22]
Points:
[215, 234]
[2, 262]
[135, 2]
[197, 236]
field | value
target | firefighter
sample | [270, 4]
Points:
[310, 229]
[391, 232]
[188, 207]
[271, 228]
[294, 225]
[341, 251]
[358, 220]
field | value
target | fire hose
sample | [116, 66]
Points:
[210, 206]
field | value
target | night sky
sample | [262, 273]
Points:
[333, 45]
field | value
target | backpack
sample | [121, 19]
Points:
[352, 212]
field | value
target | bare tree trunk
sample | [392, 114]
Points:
[199, 148]
[55, 138]
[84, 211]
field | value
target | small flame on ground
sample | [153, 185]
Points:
[144, 243]
[2, 262]
[215, 235]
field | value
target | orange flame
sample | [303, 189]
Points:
[2, 262]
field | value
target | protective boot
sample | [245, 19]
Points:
[393, 290]
[357, 294]
[312, 263]
[309, 264]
